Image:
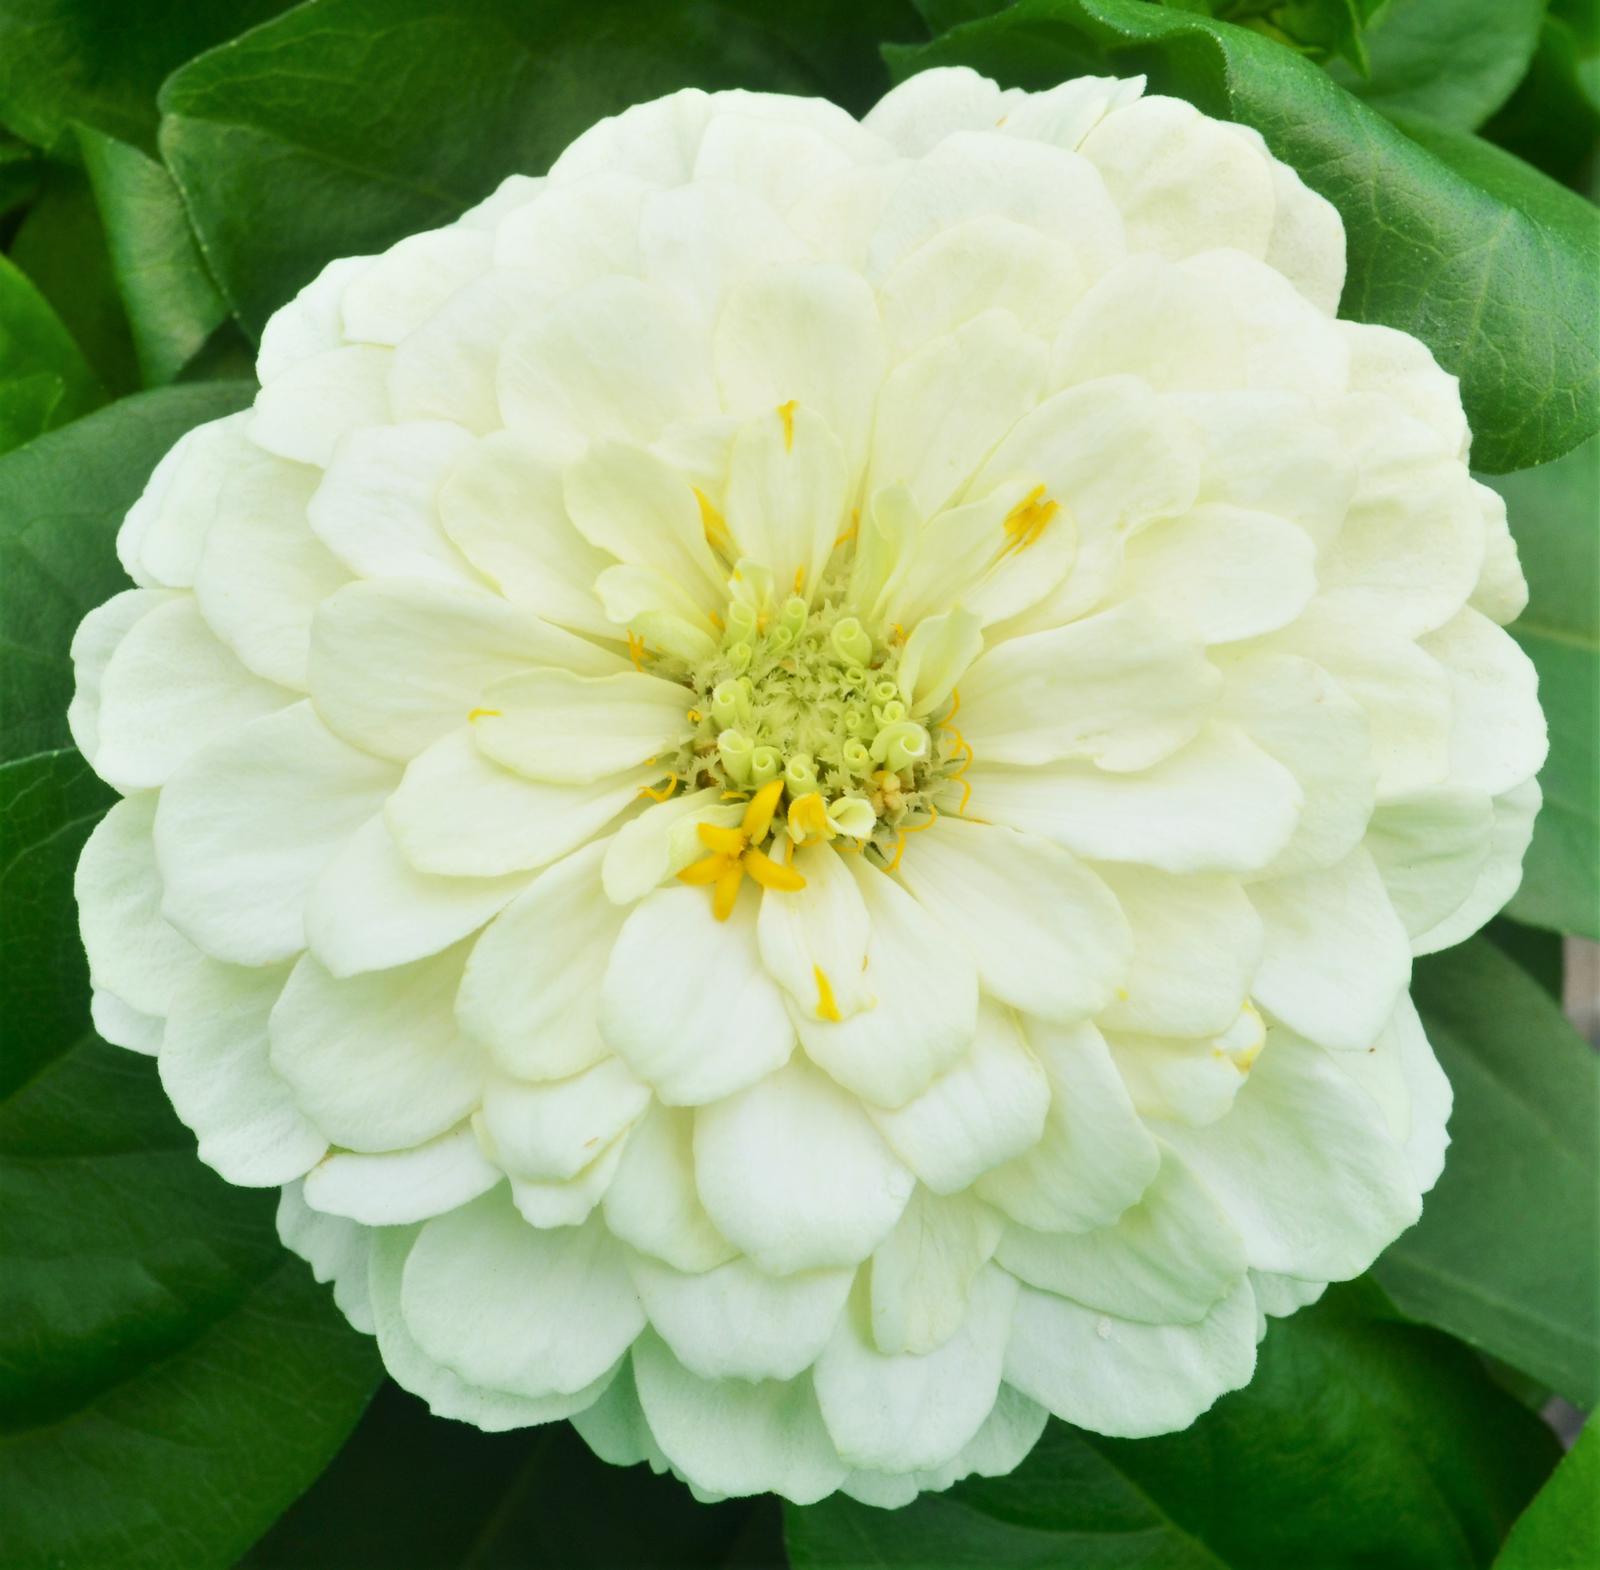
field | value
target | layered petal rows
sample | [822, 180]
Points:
[787, 780]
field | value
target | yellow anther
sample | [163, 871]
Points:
[899, 632]
[826, 1006]
[706, 871]
[735, 795]
[478, 714]
[799, 579]
[694, 716]
[1027, 521]
[758, 815]
[715, 620]
[808, 818]
[636, 650]
[661, 792]
[726, 894]
[724, 842]
[852, 531]
[712, 524]
[786, 414]
[771, 874]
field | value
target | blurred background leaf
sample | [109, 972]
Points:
[1503, 1256]
[1560, 1530]
[1361, 1442]
[44, 380]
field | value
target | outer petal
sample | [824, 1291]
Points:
[304, 410]
[245, 827]
[922, 1273]
[1094, 1158]
[1045, 933]
[686, 1002]
[814, 940]
[1126, 1379]
[214, 1065]
[549, 1132]
[652, 1202]
[397, 1187]
[337, 1250]
[791, 1171]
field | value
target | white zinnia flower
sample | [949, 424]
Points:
[788, 780]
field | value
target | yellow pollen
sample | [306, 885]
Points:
[712, 523]
[478, 714]
[661, 792]
[636, 650]
[786, 414]
[1027, 521]
[826, 1006]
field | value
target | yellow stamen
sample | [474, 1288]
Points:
[899, 632]
[786, 414]
[695, 716]
[1026, 522]
[852, 531]
[478, 714]
[712, 524]
[917, 828]
[734, 795]
[661, 792]
[758, 815]
[715, 620]
[799, 579]
[826, 1006]
[706, 871]
[808, 816]
[771, 874]
[724, 842]
[727, 890]
[636, 650]
[955, 706]
[966, 795]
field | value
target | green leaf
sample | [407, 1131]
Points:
[61, 245]
[538, 1497]
[1361, 1442]
[44, 381]
[61, 501]
[1456, 61]
[1502, 1255]
[1553, 512]
[173, 306]
[1560, 1530]
[101, 61]
[170, 1377]
[1553, 118]
[19, 174]
[1487, 262]
[347, 124]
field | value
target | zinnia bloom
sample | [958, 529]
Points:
[788, 780]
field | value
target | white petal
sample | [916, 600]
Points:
[311, 322]
[615, 1427]
[371, 909]
[791, 1171]
[501, 504]
[922, 1273]
[132, 950]
[733, 1438]
[810, 334]
[686, 1002]
[549, 1132]
[395, 664]
[1501, 592]
[1304, 1166]
[1429, 849]
[1307, 244]
[1402, 368]
[532, 984]
[926, 1000]
[788, 487]
[649, 849]
[1166, 1261]
[263, 573]
[986, 1109]
[920, 112]
[813, 941]
[617, 358]
[1064, 115]
[1196, 945]
[901, 1411]
[162, 537]
[737, 1322]
[1220, 804]
[569, 234]
[779, 160]
[171, 687]
[123, 1026]
[568, 1202]
[1299, 715]
[1498, 737]
[1500, 875]
[488, 1406]
[303, 411]
[376, 1061]
[1225, 573]
[337, 1250]
[943, 410]
[652, 1202]
[377, 508]
[655, 142]
[1117, 1377]
[397, 1187]
[214, 1065]
[410, 281]
[552, 725]
[1044, 932]
[1094, 1157]
[1124, 689]
[246, 826]
[98, 637]
[514, 1308]
[935, 658]
[1192, 1079]
[1336, 956]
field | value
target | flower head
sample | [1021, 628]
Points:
[788, 780]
